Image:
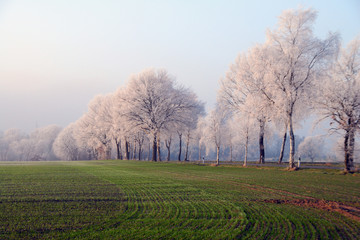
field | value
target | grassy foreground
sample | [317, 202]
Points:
[143, 200]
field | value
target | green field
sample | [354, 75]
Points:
[143, 200]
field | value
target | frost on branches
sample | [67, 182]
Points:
[276, 80]
[155, 103]
[339, 99]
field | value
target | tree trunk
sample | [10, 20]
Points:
[187, 147]
[261, 141]
[349, 141]
[351, 149]
[140, 150]
[217, 155]
[283, 147]
[154, 149]
[231, 153]
[134, 150]
[346, 151]
[180, 141]
[292, 144]
[168, 146]
[108, 152]
[246, 154]
[148, 153]
[168, 154]
[127, 153]
[118, 147]
[120, 150]
[130, 151]
[246, 147]
[199, 151]
[158, 149]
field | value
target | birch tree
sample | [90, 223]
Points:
[216, 130]
[339, 99]
[297, 60]
[245, 90]
[199, 135]
[244, 129]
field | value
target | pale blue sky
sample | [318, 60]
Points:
[56, 55]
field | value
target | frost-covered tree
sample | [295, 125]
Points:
[168, 139]
[122, 130]
[339, 99]
[312, 147]
[245, 90]
[43, 139]
[9, 138]
[65, 145]
[200, 137]
[24, 149]
[4, 149]
[216, 130]
[190, 130]
[30, 147]
[297, 60]
[154, 103]
[244, 132]
[140, 138]
[93, 130]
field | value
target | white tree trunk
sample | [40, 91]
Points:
[292, 144]
[283, 146]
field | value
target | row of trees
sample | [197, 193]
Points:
[151, 108]
[17, 145]
[268, 89]
[237, 144]
[293, 74]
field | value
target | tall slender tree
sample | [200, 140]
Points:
[244, 90]
[297, 59]
[339, 99]
[216, 130]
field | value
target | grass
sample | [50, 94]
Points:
[143, 200]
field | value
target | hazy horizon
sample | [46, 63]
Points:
[56, 56]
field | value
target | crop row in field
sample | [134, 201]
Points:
[140, 200]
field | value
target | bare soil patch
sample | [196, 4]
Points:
[348, 211]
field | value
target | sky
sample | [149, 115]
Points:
[55, 56]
